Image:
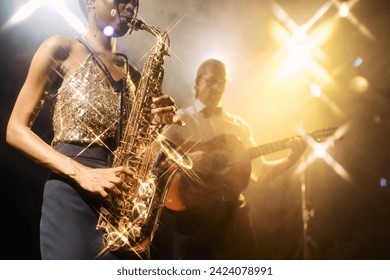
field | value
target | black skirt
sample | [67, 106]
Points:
[70, 214]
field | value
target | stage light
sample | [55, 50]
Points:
[24, 12]
[319, 150]
[33, 5]
[316, 90]
[108, 31]
[358, 61]
[300, 51]
[344, 9]
[383, 182]
[359, 84]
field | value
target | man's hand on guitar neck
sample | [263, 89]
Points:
[298, 146]
[274, 168]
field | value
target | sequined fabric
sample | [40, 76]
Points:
[85, 109]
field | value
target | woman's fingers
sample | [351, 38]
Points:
[163, 101]
[111, 190]
[164, 110]
[123, 170]
[176, 120]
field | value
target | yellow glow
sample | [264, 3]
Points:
[299, 52]
[297, 62]
[280, 35]
[316, 90]
[359, 84]
[299, 35]
[344, 9]
[319, 150]
[321, 35]
[297, 59]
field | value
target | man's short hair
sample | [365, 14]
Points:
[217, 66]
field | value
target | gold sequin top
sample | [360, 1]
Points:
[85, 109]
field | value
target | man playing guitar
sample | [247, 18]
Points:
[206, 202]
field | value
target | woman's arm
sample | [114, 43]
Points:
[42, 73]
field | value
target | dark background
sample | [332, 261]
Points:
[351, 217]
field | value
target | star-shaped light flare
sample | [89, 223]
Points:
[298, 33]
[31, 6]
[170, 51]
[319, 150]
[299, 50]
[361, 27]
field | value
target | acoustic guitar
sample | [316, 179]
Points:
[231, 163]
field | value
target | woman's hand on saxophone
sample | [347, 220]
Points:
[165, 111]
[105, 182]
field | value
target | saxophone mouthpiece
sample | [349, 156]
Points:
[136, 24]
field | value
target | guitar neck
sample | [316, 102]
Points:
[258, 151]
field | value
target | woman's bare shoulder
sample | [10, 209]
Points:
[58, 46]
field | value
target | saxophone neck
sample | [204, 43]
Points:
[160, 34]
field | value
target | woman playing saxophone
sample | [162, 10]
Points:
[90, 87]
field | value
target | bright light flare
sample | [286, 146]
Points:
[299, 51]
[344, 9]
[169, 30]
[359, 84]
[24, 12]
[358, 61]
[108, 31]
[346, 13]
[320, 151]
[68, 15]
[316, 90]
[29, 8]
[298, 59]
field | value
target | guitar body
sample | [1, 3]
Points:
[224, 180]
[232, 166]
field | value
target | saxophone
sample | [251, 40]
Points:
[129, 221]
